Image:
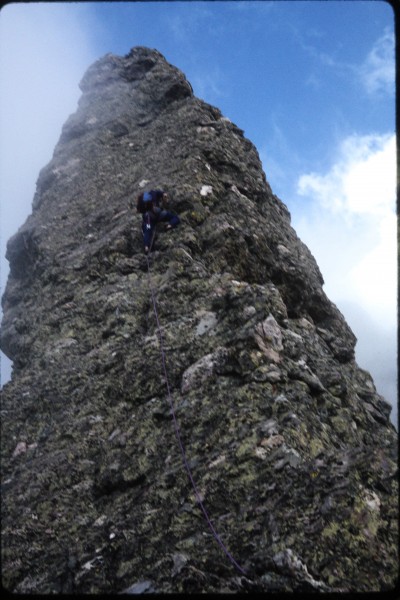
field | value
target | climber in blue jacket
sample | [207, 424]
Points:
[152, 205]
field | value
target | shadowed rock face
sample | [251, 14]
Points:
[290, 446]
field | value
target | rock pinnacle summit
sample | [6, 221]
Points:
[289, 443]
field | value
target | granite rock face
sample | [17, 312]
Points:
[288, 442]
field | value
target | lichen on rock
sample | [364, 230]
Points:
[289, 444]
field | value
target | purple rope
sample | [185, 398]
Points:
[177, 432]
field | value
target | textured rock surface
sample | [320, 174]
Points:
[289, 444]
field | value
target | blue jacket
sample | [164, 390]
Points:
[144, 204]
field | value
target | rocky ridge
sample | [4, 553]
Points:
[288, 441]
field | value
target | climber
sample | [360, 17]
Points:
[152, 205]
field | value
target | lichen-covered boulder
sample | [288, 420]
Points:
[290, 447]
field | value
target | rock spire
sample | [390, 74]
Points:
[290, 445]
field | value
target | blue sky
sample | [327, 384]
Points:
[311, 84]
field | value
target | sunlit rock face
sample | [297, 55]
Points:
[289, 445]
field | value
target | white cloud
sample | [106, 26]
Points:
[378, 71]
[351, 228]
[44, 52]
[373, 278]
[361, 182]
[354, 203]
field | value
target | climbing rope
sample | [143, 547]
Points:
[176, 426]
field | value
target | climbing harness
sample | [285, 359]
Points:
[176, 426]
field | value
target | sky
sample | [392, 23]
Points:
[311, 83]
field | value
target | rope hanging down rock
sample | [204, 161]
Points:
[176, 426]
